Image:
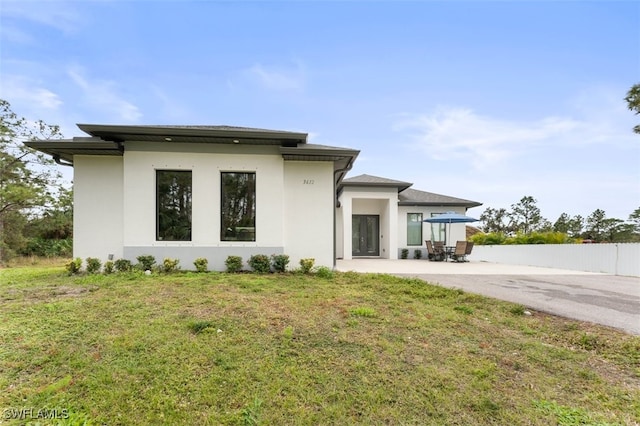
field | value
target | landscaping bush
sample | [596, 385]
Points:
[260, 263]
[280, 262]
[170, 265]
[123, 265]
[404, 253]
[146, 262]
[108, 267]
[233, 263]
[532, 238]
[202, 264]
[324, 272]
[306, 265]
[417, 254]
[93, 265]
[73, 267]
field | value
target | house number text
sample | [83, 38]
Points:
[308, 181]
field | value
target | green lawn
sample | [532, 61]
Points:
[216, 348]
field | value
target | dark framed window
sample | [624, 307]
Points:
[173, 205]
[238, 206]
[414, 229]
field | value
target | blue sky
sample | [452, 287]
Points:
[488, 101]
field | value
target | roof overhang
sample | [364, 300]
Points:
[65, 149]
[112, 139]
[400, 186]
[467, 204]
[342, 158]
[194, 134]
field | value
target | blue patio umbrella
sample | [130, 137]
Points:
[450, 217]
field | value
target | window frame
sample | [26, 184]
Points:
[158, 235]
[223, 228]
[441, 230]
[421, 215]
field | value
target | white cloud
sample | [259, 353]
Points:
[15, 35]
[102, 94]
[21, 90]
[277, 78]
[460, 133]
[62, 16]
[574, 160]
[456, 133]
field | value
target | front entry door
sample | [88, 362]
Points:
[366, 232]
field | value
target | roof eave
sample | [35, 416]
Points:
[469, 204]
[123, 132]
[400, 188]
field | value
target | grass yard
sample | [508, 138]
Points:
[214, 348]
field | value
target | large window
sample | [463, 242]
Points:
[238, 206]
[414, 229]
[173, 205]
[438, 230]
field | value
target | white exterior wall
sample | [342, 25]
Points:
[206, 162]
[97, 206]
[308, 212]
[613, 258]
[374, 201]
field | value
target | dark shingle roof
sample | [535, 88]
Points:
[368, 180]
[413, 197]
[406, 195]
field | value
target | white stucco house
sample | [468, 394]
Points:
[213, 191]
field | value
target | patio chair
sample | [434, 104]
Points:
[469, 247]
[460, 253]
[432, 253]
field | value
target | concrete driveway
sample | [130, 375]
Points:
[604, 299]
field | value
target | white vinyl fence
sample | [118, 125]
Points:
[615, 258]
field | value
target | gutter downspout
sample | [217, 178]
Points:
[335, 194]
[59, 161]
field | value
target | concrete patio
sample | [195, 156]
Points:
[422, 266]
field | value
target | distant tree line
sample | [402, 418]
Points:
[36, 210]
[524, 223]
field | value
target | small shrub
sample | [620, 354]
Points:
[93, 265]
[108, 267]
[280, 262]
[404, 254]
[324, 272]
[197, 327]
[233, 263]
[123, 265]
[363, 311]
[306, 265]
[170, 265]
[202, 264]
[517, 310]
[260, 263]
[73, 267]
[464, 309]
[251, 413]
[417, 254]
[146, 262]
[588, 341]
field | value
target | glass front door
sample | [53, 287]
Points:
[365, 235]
